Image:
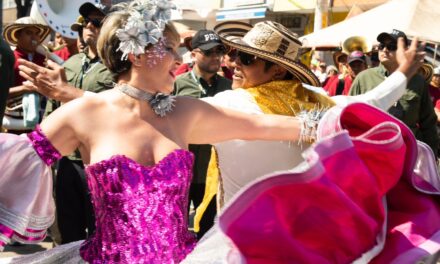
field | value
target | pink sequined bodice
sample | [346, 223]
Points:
[141, 211]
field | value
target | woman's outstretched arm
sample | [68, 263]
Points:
[212, 124]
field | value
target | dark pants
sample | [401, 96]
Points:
[74, 208]
[196, 193]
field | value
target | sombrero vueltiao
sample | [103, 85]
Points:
[11, 29]
[270, 41]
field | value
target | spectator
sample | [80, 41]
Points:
[415, 107]
[332, 72]
[434, 86]
[356, 63]
[340, 60]
[202, 81]
[227, 68]
[68, 48]
[26, 34]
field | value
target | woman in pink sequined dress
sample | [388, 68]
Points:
[134, 138]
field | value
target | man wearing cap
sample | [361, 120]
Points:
[83, 72]
[414, 108]
[207, 51]
[26, 34]
[356, 63]
[202, 81]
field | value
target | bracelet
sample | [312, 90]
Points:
[309, 124]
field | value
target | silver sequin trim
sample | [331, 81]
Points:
[19, 223]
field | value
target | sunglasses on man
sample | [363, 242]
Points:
[96, 22]
[246, 59]
[389, 46]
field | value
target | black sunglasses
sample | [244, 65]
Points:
[95, 22]
[246, 58]
[389, 46]
[217, 51]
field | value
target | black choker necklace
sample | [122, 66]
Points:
[159, 102]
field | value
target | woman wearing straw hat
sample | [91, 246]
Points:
[25, 34]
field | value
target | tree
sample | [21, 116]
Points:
[23, 7]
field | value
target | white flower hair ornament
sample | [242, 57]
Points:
[144, 26]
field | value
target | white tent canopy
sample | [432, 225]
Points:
[419, 18]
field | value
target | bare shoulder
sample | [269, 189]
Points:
[81, 108]
[183, 100]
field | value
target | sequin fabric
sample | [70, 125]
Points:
[141, 211]
[43, 147]
[287, 98]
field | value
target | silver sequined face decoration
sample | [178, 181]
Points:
[158, 52]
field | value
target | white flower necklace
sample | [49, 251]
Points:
[159, 102]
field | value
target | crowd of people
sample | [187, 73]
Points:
[262, 147]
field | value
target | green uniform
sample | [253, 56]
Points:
[189, 84]
[84, 73]
[414, 108]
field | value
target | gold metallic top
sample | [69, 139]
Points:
[288, 97]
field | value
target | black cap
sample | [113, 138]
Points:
[205, 40]
[393, 36]
[87, 8]
[356, 56]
